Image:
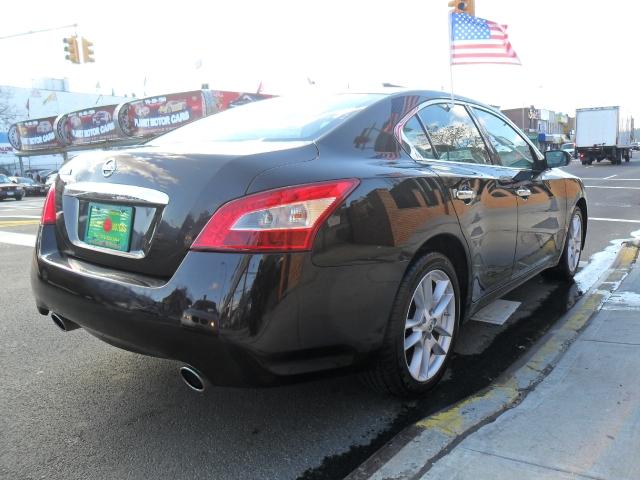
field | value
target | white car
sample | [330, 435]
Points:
[51, 179]
[570, 148]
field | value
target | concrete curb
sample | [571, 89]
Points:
[414, 450]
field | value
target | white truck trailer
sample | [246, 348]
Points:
[603, 133]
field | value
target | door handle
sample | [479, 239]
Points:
[465, 195]
[523, 192]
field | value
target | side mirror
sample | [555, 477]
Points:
[557, 158]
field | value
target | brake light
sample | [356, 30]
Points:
[49, 209]
[276, 220]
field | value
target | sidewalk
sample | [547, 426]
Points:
[580, 422]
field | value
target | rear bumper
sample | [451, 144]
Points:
[240, 319]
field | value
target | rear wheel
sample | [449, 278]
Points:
[570, 258]
[421, 331]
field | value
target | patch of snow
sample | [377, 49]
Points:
[599, 263]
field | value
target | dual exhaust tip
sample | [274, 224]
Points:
[192, 377]
[63, 324]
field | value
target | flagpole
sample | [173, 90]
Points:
[450, 58]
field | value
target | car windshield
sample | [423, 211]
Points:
[4, 178]
[278, 119]
[567, 146]
[25, 180]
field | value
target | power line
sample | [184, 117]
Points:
[32, 32]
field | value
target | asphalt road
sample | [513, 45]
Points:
[613, 196]
[74, 407]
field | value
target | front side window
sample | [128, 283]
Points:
[416, 139]
[453, 133]
[509, 144]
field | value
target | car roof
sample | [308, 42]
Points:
[428, 94]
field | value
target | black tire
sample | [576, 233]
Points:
[563, 270]
[389, 373]
[18, 198]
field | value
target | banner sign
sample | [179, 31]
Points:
[5, 147]
[224, 100]
[91, 125]
[36, 134]
[139, 118]
[155, 115]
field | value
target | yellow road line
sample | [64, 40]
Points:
[18, 223]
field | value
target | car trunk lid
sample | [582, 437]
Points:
[162, 198]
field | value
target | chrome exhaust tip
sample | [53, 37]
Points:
[192, 377]
[63, 324]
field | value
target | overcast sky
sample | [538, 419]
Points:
[574, 53]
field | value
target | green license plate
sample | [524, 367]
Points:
[109, 226]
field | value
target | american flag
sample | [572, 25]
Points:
[476, 40]
[399, 107]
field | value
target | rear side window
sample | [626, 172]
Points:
[510, 146]
[415, 139]
[454, 135]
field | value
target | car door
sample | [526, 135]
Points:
[447, 141]
[541, 197]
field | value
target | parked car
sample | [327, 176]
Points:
[30, 186]
[570, 148]
[635, 145]
[51, 178]
[296, 235]
[8, 189]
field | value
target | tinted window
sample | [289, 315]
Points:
[277, 119]
[511, 147]
[416, 138]
[454, 135]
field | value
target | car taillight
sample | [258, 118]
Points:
[49, 210]
[276, 220]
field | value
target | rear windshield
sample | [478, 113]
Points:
[567, 145]
[4, 179]
[277, 119]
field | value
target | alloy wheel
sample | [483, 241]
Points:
[574, 242]
[429, 325]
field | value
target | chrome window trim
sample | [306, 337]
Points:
[506, 120]
[118, 191]
[437, 101]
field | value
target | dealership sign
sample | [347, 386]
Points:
[5, 147]
[155, 115]
[36, 134]
[87, 126]
[139, 118]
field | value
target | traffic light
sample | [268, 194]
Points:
[71, 47]
[463, 6]
[87, 51]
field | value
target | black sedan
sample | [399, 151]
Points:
[298, 235]
[30, 186]
[8, 189]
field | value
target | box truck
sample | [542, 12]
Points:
[603, 133]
